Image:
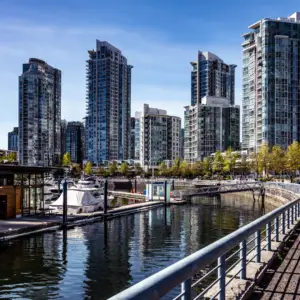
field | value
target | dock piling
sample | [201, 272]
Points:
[165, 194]
[105, 197]
[65, 203]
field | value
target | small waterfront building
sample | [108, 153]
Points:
[22, 190]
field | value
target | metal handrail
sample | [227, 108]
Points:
[181, 272]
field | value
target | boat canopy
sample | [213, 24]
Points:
[76, 198]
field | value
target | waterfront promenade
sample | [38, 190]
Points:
[282, 278]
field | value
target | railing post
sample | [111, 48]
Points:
[288, 218]
[221, 277]
[277, 229]
[298, 204]
[283, 222]
[292, 215]
[258, 246]
[186, 287]
[295, 212]
[269, 230]
[243, 254]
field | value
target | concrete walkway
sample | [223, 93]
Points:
[282, 280]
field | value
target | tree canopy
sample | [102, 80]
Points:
[88, 168]
[66, 161]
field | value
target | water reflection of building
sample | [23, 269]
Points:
[107, 264]
[31, 268]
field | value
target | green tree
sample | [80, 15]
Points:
[196, 169]
[88, 168]
[230, 161]
[263, 156]
[277, 160]
[244, 165]
[75, 170]
[175, 170]
[113, 168]
[124, 169]
[207, 166]
[218, 163]
[163, 169]
[254, 163]
[66, 161]
[138, 169]
[292, 159]
[185, 170]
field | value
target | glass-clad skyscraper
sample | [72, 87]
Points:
[212, 121]
[271, 83]
[74, 142]
[108, 104]
[13, 139]
[39, 114]
[211, 77]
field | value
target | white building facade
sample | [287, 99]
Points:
[158, 136]
[213, 125]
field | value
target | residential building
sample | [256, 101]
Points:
[271, 83]
[13, 139]
[132, 138]
[108, 104]
[181, 155]
[75, 141]
[210, 126]
[159, 136]
[63, 132]
[137, 128]
[211, 122]
[211, 77]
[39, 114]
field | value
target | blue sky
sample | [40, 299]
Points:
[159, 38]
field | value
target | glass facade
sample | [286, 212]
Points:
[271, 99]
[108, 104]
[210, 127]
[159, 136]
[74, 141]
[211, 77]
[39, 114]
[13, 139]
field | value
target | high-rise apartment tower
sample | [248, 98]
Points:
[108, 104]
[211, 77]
[271, 83]
[13, 139]
[39, 114]
[212, 121]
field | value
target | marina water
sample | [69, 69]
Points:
[98, 260]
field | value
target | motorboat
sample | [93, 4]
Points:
[85, 196]
[91, 185]
[78, 201]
